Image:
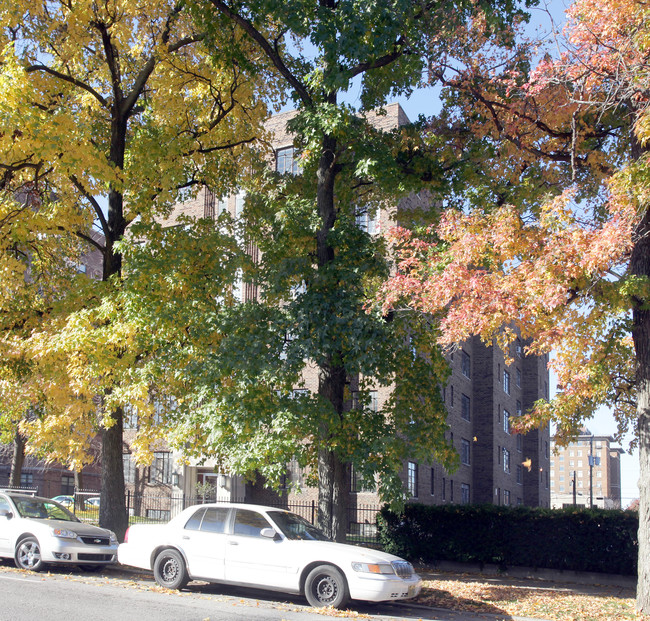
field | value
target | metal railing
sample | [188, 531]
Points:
[151, 508]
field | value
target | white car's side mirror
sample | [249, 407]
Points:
[268, 533]
[8, 514]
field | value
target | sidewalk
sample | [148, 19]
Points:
[521, 594]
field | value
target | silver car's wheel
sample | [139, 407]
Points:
[326, 586]
[28, 554]
[169, 569]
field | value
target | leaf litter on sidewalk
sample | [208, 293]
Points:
[563, 604]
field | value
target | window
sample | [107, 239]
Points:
[286, 162]
[518, 348]
[465, 407]
[506, 382]
[451, 491]
[356, 483]
[160, 515]
[26, 479]
[518, 377]
[520, 475]
[465, 364]
[161, 468]
[195, 521]
[506, 460]
[249, 523]
[518, 408]
[444, 488]
[240, 199]
[214, 520]
[506, 421]
[367, 219]
[465, 450]
[433, 482]
[506, 497]
[451, 396]
[372, 403]
[129, 468]
[412, 479]
[464, 493]
[520, 443]
[67, 484]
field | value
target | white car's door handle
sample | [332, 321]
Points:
[233, 543]
[185, 537]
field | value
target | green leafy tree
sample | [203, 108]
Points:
[306, 231]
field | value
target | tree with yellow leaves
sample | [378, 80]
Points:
[108, 112]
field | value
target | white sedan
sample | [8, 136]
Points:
[37, 531]
[249, 545]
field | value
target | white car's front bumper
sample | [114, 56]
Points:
[379, 588]
[58, 550]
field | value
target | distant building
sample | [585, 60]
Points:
[586, 472]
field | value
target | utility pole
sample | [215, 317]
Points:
[593, 461]
[575, 500]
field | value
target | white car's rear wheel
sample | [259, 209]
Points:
[28, 554]
[169, 569]
[326, 586]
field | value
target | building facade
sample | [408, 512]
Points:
[586, 472]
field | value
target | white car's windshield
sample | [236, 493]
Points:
[295, 527]
[44, 509]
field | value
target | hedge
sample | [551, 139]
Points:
[573, 538]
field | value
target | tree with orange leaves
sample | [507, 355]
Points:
[550, 234]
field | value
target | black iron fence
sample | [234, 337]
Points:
[150, 508]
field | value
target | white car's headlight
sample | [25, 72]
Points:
[64, 533]
[373, 568]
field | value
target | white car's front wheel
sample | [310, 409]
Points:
[326, 586]
[28, 554]
[169, 569]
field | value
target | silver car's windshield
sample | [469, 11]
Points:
[44, 509]
[295, 527]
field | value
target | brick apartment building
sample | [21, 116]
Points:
[586, 472]
[483, 393]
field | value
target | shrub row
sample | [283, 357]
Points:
[575, 539]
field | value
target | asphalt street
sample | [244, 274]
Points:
[117, 595]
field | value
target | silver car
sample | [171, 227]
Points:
[37, 531]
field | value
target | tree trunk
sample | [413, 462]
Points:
[112, 504]
[332, 472]
[78, 480]
[640, 266]
[332, 488]
[17, 460]
[112, 508]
